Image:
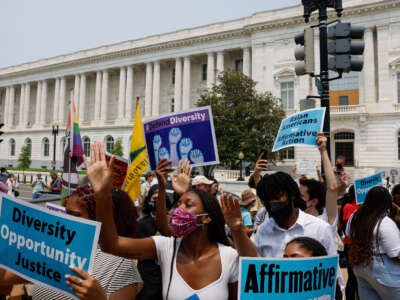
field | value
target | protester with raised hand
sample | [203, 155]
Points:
[375, 247]
[261, 165]
[197, 262]
[182, 182]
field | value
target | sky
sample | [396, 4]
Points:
[34, 29]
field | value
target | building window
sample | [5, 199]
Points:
[287, 95]
[344, 146]
[239, 65]
[28, 143]
[173, 76]
[343, 100]
[204, 72]
[349, 81]
[12, 147]
[109, 143]
[86, 145]
[172, 105]
[287, 153]
[46, 147]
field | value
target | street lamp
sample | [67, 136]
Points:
[241, 157]
[55, 133]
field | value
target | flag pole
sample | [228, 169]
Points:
[71, 111]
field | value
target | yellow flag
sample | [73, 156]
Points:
[138, 157]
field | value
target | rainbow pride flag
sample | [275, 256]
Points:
[73, 153]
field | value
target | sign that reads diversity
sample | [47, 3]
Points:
[300, 129]
[180, 136]
[363, 185]
[40, 245]
[282, 279]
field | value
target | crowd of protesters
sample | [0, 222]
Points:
[183, 237]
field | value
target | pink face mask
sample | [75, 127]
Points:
[184, 223]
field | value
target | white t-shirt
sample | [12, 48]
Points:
[179, 289]
[389, 237]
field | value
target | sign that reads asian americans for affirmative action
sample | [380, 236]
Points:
[180, 136]
[282, 279]
[40, 245]
[300, 129]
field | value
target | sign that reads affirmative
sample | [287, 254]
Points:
[40, 245]
[180, 136]
[282, 279]
[363, 185]
[300, 129]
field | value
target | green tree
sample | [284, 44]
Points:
[24, 158]
[117, 149]
[245, 120]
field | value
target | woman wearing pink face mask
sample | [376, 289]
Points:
[197, 262]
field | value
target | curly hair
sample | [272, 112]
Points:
[377, 203]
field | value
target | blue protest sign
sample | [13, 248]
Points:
[180, 136]
[40, 245]
[282, 279]
[300, 129]
[363, 185]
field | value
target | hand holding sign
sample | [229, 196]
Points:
[163, 170]
[321, 142]
[86, 289]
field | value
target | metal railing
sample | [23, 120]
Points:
[345, 109]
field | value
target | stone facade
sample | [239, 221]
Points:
[168, 71]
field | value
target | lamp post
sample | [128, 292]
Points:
[241, 157]
[55, 133]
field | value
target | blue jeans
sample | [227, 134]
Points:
[36, 195]
[380, 280]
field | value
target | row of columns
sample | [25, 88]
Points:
[182, 91]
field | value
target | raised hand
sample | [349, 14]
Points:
[163, 169]
[156, 146]
[163, 153]
[182, 182]
[99, 171]
[261, 165]
[175, 135]
[196, 156]
[231, 210]
[87, 288]
[185, 145]
[321, 141]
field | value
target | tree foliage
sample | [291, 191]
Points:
[118, 149]
[24, 158]
[245, 120]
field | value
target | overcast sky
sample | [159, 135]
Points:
[35, 29]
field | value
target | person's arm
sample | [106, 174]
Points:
[331, 184]
[320, 176]
[161, 210]
[293, 171]
[261, 165]
[233, 219]
[182, 182]
[100, 176]
[233, 290]
[8, 278]
[33, 183]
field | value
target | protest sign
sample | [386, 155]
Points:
[55, 207]
[305, 167]
[283, 278]
[119, 170]
[300, 129]
[40, 245]
[363, 185]
[180, 136]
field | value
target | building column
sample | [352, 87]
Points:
[44, 103]
[385, 88]
[246, 62]
[220, 62]
[122, 92]
[155, 111]
[129, 93]
[97, 97]
[210, 70]
[369, 67]
[82, 98]
[38, 102]
[11, 112]
[21, 105]
[61, 99]
[56, 102]
[27, 104]
[76, 90]
[178, 84]
[149, 88]
[6, 106]
[104, 96]
[186, 92]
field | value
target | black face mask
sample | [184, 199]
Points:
[280, 211]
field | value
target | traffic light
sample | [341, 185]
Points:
[304, 52]
[346, 40]
[1, 132]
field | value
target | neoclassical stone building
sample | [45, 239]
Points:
[168, 71]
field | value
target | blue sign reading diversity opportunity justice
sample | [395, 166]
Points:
[41, 245]
[180, 136]
[363, 185]
[282, 279]
[300, 129]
